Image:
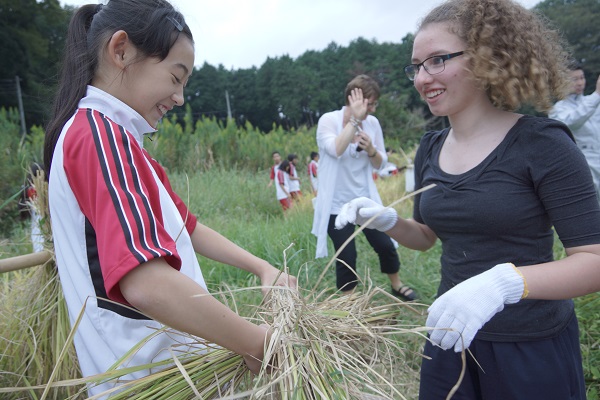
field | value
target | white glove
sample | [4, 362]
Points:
[361, 209]
[469, 305]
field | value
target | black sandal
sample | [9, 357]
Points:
[405, 293]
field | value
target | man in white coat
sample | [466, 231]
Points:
[582, 115]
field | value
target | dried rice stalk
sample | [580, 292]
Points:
[35, 323]
[342, 347]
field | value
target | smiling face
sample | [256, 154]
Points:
[452, 90]
[153, 87]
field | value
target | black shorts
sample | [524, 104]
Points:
[548, 369]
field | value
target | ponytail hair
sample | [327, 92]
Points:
[152, 26]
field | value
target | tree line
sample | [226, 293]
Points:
[282, 92]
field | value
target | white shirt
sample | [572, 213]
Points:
[282, 181]
[342, 178]
[294, 184]
[582, 115]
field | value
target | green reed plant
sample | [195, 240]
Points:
[12, 166]
[212, 144]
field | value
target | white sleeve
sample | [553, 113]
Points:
[327, 131]
[575, 115]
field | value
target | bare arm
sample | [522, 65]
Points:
[215, 246]
[174, 299]
[344, 139]
[409, 233]
[376, 160]
[576, 275]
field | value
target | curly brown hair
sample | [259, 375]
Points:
[514, 53]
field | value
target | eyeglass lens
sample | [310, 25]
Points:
[433, 65]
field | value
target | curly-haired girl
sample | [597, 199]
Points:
[503, 180]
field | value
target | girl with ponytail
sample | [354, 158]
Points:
[125, 242]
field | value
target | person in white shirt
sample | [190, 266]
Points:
[295, 191]
[351, 146]
[276, 161]
[582, 115]
[282, 185]
[313, 167]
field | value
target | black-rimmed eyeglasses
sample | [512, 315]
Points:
[433, 65]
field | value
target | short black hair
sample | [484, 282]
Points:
[575, 65]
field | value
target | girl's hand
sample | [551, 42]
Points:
[358, 104]
[274, 277]
[254, 361]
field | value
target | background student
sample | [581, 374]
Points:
[282, 185]
[295, 191]
[313, 168]
[582, 114]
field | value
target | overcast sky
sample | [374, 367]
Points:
[243, 33]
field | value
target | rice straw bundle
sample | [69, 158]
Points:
[342, 347]
[35, 323]
[207, 371]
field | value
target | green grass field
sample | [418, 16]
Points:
[239, 205]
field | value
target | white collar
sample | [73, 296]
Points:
[117, 111]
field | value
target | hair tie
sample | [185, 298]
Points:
[177, 24]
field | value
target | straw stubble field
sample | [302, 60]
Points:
[238, 204]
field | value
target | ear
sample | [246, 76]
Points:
[120, 49]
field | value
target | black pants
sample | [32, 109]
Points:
[548, 369]
[345, 266]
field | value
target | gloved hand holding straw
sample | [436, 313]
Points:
[463, 310]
